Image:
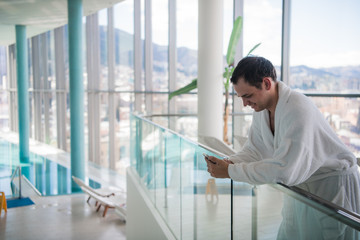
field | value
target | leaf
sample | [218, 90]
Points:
[185, 89]
[253, 49]
[234, 39]
[227, 76]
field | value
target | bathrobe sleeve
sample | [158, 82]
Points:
[303, 141]
[251, 151]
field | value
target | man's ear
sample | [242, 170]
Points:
[267, 82]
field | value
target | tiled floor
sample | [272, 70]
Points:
[60, 217]
[63, 216]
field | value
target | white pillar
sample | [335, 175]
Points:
[238, 121]
[210, 69]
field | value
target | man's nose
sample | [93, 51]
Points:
[245, 102]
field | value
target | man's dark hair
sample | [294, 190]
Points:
[253, 70]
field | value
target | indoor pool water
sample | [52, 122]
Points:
[48, 177]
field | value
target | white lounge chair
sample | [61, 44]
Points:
[109, 197]
[118, 202]
[102, 192]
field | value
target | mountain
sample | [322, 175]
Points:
[305, 70]
[124, 44]
[346, 78]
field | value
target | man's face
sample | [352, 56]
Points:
[251, 96]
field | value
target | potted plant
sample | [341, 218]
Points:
[229, 68]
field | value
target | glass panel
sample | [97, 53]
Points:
[52, 140]
[244, 120]
[135, 142]
[84, 40]
[181, 183]
[4, 106]
[149, 143]
[48, 177]
[243, 211]
[273, 212]
[184, 125]
[343, 115]
[189, 189]
[142, 37]
[196, 206]
[160, 35]
[103, 24]
[124, 45]
[186, 104]
[52, 87]
[322, 59]
[228, 24]
[187, 45]
[263, 28]
[123, 106]
[67, 105]
[104, 130]
[168, 201]
[160, 103]
[212, 201]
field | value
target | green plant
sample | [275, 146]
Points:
[229, 68]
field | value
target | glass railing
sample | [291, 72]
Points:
[43, 176]
[173, 173]
[10, 181]
[15, 183]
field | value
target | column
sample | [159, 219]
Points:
[75, 10]
[238, 121]
[113, 148]
[22, 92]
[210, 69]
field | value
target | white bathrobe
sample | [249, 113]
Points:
[303, 151]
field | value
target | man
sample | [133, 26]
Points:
[289, 142]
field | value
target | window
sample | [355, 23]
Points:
[325, 59]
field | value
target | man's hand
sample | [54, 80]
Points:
[217, 167]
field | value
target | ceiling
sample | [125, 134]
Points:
[39, 15]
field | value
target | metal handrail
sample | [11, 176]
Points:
[347, 217]
[192, 114]
[18, 169]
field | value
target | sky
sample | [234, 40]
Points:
[324, 33]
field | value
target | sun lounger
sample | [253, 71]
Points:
[108, 197]
[118, 202]
[103, 192]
